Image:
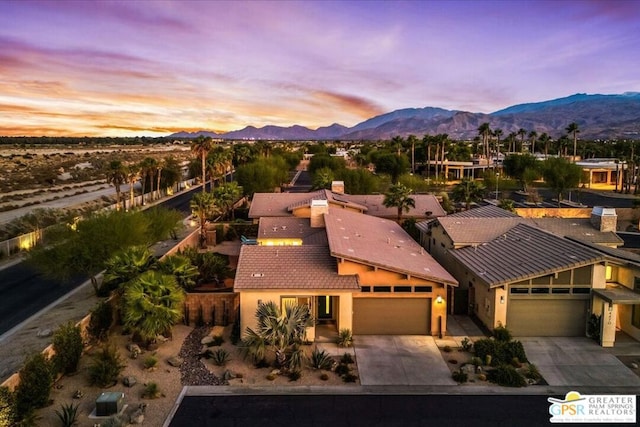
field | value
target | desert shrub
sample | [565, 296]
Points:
[36, 380]
[466, 344]
[295, 375]
[342, 369]
[502, 352]
[447, 349]
[345, 338]
[101, 321]
[460, 376]
[349, 377]
[262, 363]
[507, 376]
[324, 377]
[151, 391]
[532, 372]
[502, 334]
[511, 350]
[68, 415]
[485, 347]
[220, 357]
[476, 361]
[7, 407]
[296, 358]
[68, 346]
[515, 362]
[150, 362]
[106, 367]
[271, 377]
[320, 359]
[346, 358]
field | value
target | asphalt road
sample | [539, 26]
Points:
[584, 197]
[24, 291]
[362, 410]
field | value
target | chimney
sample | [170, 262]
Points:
[604, 219]
[318, 209]
[337, 187]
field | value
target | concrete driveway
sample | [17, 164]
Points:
[400, 360]
[565, 361]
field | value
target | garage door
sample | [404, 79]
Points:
[392, 316]
[547, 317]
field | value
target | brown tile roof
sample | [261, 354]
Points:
[282, 204]
[289, 267]
[380, 243]
[488, 211]
[522, 253]
[289, 227]
[470, 230]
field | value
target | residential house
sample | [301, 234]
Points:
[354, 270]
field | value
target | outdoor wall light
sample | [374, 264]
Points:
[439, 299]
[501, 299]
[610, 307]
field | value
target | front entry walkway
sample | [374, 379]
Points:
[400, 360]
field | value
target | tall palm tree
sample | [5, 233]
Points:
[116, 176]
[201, 147]
[126, 265]
[152, 304]
[427, 140]
[512, 142]
[133, 175]
[522, 134]
[147, 166]
[278, 330]
[229, 193]
[484, 130]
[467, 192]
[203, 206]
[545, 139]
[574, 131]
[498, 133]
[411, 139]
[399, 197]
[159, 167]
[532, 137]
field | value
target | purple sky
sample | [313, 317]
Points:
[152, 68]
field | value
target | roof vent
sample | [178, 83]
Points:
[257, 275]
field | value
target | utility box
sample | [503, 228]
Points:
[109, 403]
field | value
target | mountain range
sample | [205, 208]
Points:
[599, 117]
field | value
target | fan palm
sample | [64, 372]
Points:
[467, 192]
[116, 175]
[182, 269]
[201, 147]
[574, 131]
[399, 197]
[152, 304]
[126, 265]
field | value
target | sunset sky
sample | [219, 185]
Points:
[155, 67]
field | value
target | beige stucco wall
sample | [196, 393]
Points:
[249, 301]
[626, 277]
[599, 276]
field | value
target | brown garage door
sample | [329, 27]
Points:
[392, 316]
[547, 317]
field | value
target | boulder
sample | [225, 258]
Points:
[129, 381]
[137, 417]
[162, 339]
[206, 340]
[174, 361]
[634, 365]
[44, 333]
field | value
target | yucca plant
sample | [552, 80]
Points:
[220, 357]
[68, 415]
[321, 360]
[151, 391]
[345, 339]
[150, 362]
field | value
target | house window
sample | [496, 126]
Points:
[366, 289]
[519, 290]
[402, 289]
[382, 289]
[560, 290]
[292, 301]
[423, 289]
[581, 290]
[539, 290]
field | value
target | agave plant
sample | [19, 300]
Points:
[68, 415]
[320, 359]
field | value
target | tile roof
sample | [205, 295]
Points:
[618, 254]
[289, 227]
[380, 243]
[290, 267]
[576, 227]
[521, 253]
[282, 204]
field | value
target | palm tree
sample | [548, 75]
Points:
[116, 176]
[152, 304]
[545, 139]
[203, 206]
[532, 136]
[573, 129]
[226, 195]
[522, 134]
[427, 140]
[182, 269]
[498, 133]
[201, 147]
[484, 130]
[512, 142]
[146, 166]
[126, 265]
[159, 166]
[399, 197]
[133, 175]
[279, 330]
[411, 139]
[467, 192]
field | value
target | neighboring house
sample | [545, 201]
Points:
[366, 274]
[537, 276]
[299, 204]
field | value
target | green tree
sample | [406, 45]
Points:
[126, 265]
[400, 198]
[322, 178]
[521, 167]
[357, 181]
[561, 175]
[467, 191]
[201, 147]
[68, 346]
[116, 175]
[36, 380]
[279, 331]
[226, 195]
[574, 131]
[262, 175]
[393, 165]
[204, 207]
[152, 304]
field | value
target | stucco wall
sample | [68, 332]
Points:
[224, 305]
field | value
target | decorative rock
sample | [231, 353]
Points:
[634, 365]
[162, 339]
[275, 372]
[228, 375]
[43, 333]
[478, 369]
[78, 394]
[152, 347]
[137, 417]
[134, 350]
[129, 381]
[174, 361]
[206, 340]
